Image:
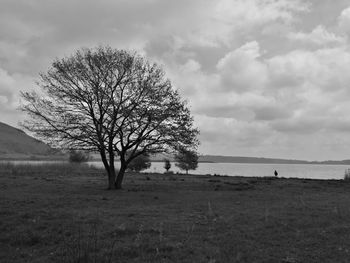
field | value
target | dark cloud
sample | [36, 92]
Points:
[270, 113]
[299, 125]
[227, 111]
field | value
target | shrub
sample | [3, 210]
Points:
[347, 175]
[78, 156]
[167, 165]
[141, 162]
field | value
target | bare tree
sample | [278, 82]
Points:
[111, 101]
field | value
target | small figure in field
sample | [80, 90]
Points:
[276, 174]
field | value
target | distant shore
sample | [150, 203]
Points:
[202, 159]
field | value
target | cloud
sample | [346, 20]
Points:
[240, 70]
[260, 76]
[300, 93]
[319, 36]
[33, 33]
[248, 87]
[231, 18]
[10, 87]
[323, 68]
[319, 97]
[344, 20]
[272, 112]
[229, 135]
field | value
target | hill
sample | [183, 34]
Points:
[240, 159]
[16, 144]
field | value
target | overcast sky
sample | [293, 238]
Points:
[267, 78]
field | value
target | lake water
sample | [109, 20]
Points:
[249, 169]
[311, 171]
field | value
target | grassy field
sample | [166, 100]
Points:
[64, 214]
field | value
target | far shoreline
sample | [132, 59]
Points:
[242, 170]
[65, 158]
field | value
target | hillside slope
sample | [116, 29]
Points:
[240, 159]
[15, 143]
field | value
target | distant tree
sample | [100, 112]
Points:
[110, 101]
[141, 162]
[186, 160]
[167, 165]
[76, 156]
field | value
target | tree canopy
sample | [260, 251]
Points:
[186, 160]
[111, 101]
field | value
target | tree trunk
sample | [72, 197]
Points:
[119, 181]
[111, 173]
[109, 169]
[111, 179]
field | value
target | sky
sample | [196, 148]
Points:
[264, 78]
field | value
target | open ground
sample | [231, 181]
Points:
[58, 213]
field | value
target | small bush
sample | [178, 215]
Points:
[142, 162]
[78, 156]
[167, 165]
[347, 175]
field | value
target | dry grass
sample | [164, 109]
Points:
[64, 214]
